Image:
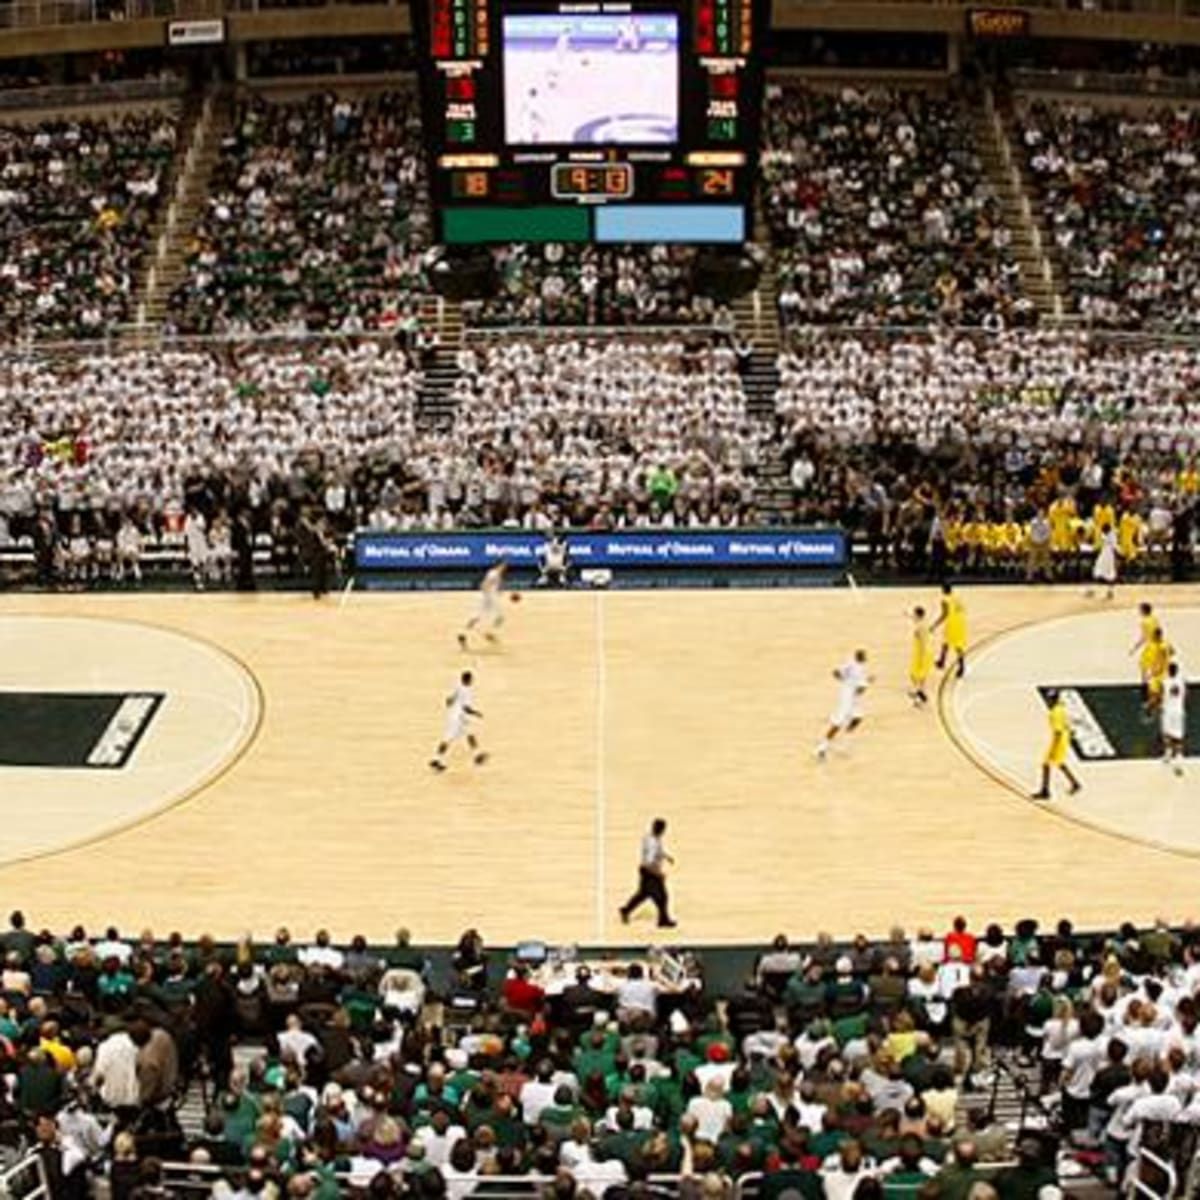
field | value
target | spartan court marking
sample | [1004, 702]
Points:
[997, 714]
[105, 722]
[1109, 721]
[81, 730]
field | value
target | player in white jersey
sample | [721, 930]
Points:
[488, 613]
[852, 680]
[461, 711]
[562, 55]
[529, 118]
[1173, 718]
[629, 36]
[1104, 570]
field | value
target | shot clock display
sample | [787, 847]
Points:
[597, 120]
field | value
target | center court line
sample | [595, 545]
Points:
[601, 804]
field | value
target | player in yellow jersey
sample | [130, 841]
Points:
[1148, 625]
[1103, 513]
[1158, 661]
[1130, 536]
[1187, 482]
[921, 662]
[1062, 519]
[1060, 745]
[953, 622]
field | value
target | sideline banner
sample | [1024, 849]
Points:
[779, 548]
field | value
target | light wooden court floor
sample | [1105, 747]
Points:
[601, 711]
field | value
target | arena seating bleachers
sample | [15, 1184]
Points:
[315, 1066]
[127, 445]
[595, 285]
[78, 199]
[316, 219]
[880, 210]
[1118, 188]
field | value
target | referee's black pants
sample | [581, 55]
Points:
[653, 887]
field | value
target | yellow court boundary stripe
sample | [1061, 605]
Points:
[959, 739]
[249, 737]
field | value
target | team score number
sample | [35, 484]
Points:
[469, 185]
[569, 181]
[716, 181]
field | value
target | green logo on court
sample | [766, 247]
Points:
[91, 730]
[1109, 722]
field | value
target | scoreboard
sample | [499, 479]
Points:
[591, 120]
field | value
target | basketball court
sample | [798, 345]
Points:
[186, 761]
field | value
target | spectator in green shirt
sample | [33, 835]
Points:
[662, 485]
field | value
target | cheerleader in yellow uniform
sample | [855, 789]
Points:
[992, 542]
[953, 621]
[952, 532]
[1103, 513]
[1062, 519]
[1130, 536]
[1016, 539]
[1056, 752]
[921, 662]
[972, 541]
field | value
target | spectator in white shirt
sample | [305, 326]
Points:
[843, 1172]
[538, 1092]
[111, 946]
[114, 1072]
[637, 997]
[711, 1110]
[297, 1041]
[439, 1137]
[322, 954]
[1083, 1058]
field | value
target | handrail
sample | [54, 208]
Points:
[67, 95]
[117, 340]
[554, 332]
[499, 1186]
[1136, 1186]
[1048, 79]
[33, 1161]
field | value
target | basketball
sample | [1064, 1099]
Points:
[515, 597]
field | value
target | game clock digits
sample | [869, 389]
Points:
[632, 121]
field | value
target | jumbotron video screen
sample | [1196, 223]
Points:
[591, 122]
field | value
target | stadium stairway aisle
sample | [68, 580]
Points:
[190, 194]
[435, 408]
[1029, 221]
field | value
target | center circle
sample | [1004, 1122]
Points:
[998, 715]
[105, 722]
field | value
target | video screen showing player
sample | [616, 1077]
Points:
[588, 79]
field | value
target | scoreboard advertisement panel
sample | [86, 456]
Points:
[593, 120]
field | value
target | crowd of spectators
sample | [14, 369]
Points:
[881, 211]
[850, 1072]
[1120, 189]
[601, 434]
[105, 451]
[559, 284]
[109, 454]
[902, 437]
[317, 219]
[78, 198]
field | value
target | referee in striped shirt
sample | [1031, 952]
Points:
[652, 880]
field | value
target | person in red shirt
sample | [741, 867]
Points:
[521, 995]
[965, 941]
